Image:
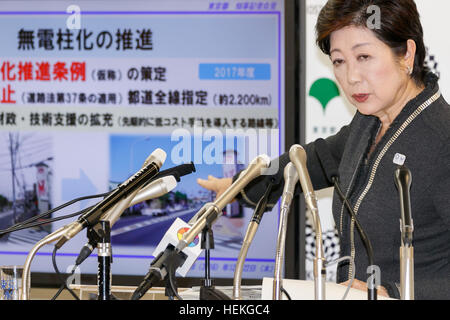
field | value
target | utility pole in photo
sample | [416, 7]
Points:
[13, 147]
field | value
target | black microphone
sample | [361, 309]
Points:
[331, 171]
[163, 265]
[178, 171]
[93, 215]
[147, 172]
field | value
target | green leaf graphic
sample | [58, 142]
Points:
[324, 90]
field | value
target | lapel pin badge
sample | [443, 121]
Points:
[399, 159]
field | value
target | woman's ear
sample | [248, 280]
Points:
[410, 55]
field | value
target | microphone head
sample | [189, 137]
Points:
[262, 159]
[298, 157]
[158, 157]
[170, 182]
[257, 167]
[261, 162]
[185, 169]
[155, 189]
[297, 153]
[402, 177]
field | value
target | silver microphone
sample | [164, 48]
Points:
[290, 181]
[153, 190]
[209, 213]
[298, 157]
[112, 215]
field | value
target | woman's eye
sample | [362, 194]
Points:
[337, 62]
[363, 57]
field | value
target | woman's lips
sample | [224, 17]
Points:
[361, 97]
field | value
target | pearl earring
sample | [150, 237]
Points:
[410, 70]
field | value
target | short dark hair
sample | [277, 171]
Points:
[400, 21]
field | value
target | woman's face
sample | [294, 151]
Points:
[372, 78]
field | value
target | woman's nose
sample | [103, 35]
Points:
[353, 74]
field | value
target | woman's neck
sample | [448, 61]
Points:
[388, 116]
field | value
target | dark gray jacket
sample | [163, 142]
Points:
[422, 133]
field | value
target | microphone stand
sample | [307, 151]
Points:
[101, 235]
[291, 179]
[207, 290]
[403, 182]
[26, 277]
[298, 157]
[319, 269]
[406, 267]
[249, 235]
[407, 273]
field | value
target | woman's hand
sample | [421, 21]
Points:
[218, 185]
[360, 285]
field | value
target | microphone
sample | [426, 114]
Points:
[154, 190]
[148, 171]
[297, 155]
[210, 212]
[171, 257]
[166, 260]
[331, 171]
[178, 171]
[291, 179]
[403, 181]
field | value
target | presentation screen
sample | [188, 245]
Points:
[89, 91]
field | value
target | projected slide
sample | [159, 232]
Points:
[87, 93]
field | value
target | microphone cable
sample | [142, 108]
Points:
[61, 288]
[171, 274]
[28, 223]
[63, 281]
[286, 293]
[372, 292]
[331, 171]
[177, 171]
[352, 277]
[36, 224]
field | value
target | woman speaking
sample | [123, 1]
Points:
[400, 110]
